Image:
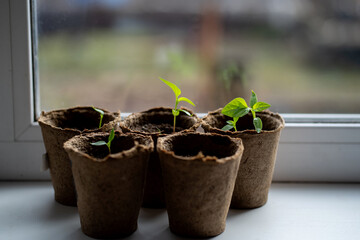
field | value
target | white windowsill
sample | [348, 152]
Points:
[294, 211]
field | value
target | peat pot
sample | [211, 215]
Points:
[109, 186]
[199, 172]
[57, 127]
[258, 161]
[157, 122]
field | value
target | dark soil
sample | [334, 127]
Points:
[192, 145]
[83, 120]
[159, 120]
[163, 128]
[119, 144]
[79, 118]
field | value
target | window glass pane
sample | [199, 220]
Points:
[301, 56]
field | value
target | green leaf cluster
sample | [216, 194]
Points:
[101, 112]
[108, 144]
[238, 108]
[176, 111]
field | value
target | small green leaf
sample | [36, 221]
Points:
[108, 144]
[111, 135]
[175, 112]
[253, 99]
[186, 112]
[110, 139]
[176, 90]
[158, 129]
[101, 115]
[257, 124]
[238, 113]
[236, 108]
[99, 110]
[186, 100]
[227, 127]
[230, 122]
[99, 143]
[260, 106]
[242, 112]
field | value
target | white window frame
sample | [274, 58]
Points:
[313, 147]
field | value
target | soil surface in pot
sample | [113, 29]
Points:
[217, 146]
[159, 121]
[163, 128]
[119, 144]
[79, 119]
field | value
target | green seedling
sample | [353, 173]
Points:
[159, 130]
[108, 144]
[101, 112]
[238, 108]
[177, 92]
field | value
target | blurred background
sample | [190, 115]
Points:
[301, 56]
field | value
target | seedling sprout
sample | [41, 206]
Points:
[108, 144]
[238, 108]
[177, 92]
[101, 112]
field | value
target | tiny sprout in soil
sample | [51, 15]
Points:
[177, 92]
[101, 112]
[108, 144]
[238, 108]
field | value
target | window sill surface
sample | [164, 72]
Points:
[293, 211]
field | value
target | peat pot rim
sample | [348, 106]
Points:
[147, 146]
[159, 110]
[44, 116]
[217, 113]
[200, 157]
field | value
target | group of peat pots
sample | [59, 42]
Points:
[195, 176]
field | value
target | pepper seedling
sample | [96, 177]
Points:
[108, 144]
[238, 108]
[101, 112]
[177, 92]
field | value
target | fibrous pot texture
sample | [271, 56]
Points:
[199, 173]
[157, 122]
[57, 127]
[109, 186]
[258, 161]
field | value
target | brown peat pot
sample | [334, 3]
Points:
[199, 172]
[157, 122]
[258, 161]
[109, 186]
[59, 126]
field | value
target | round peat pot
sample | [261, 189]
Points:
[258, 161]
[157, 122]
[59, 126]
[109, 186]
[199, 172]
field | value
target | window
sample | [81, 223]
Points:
[313, 147]
[290, 52]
